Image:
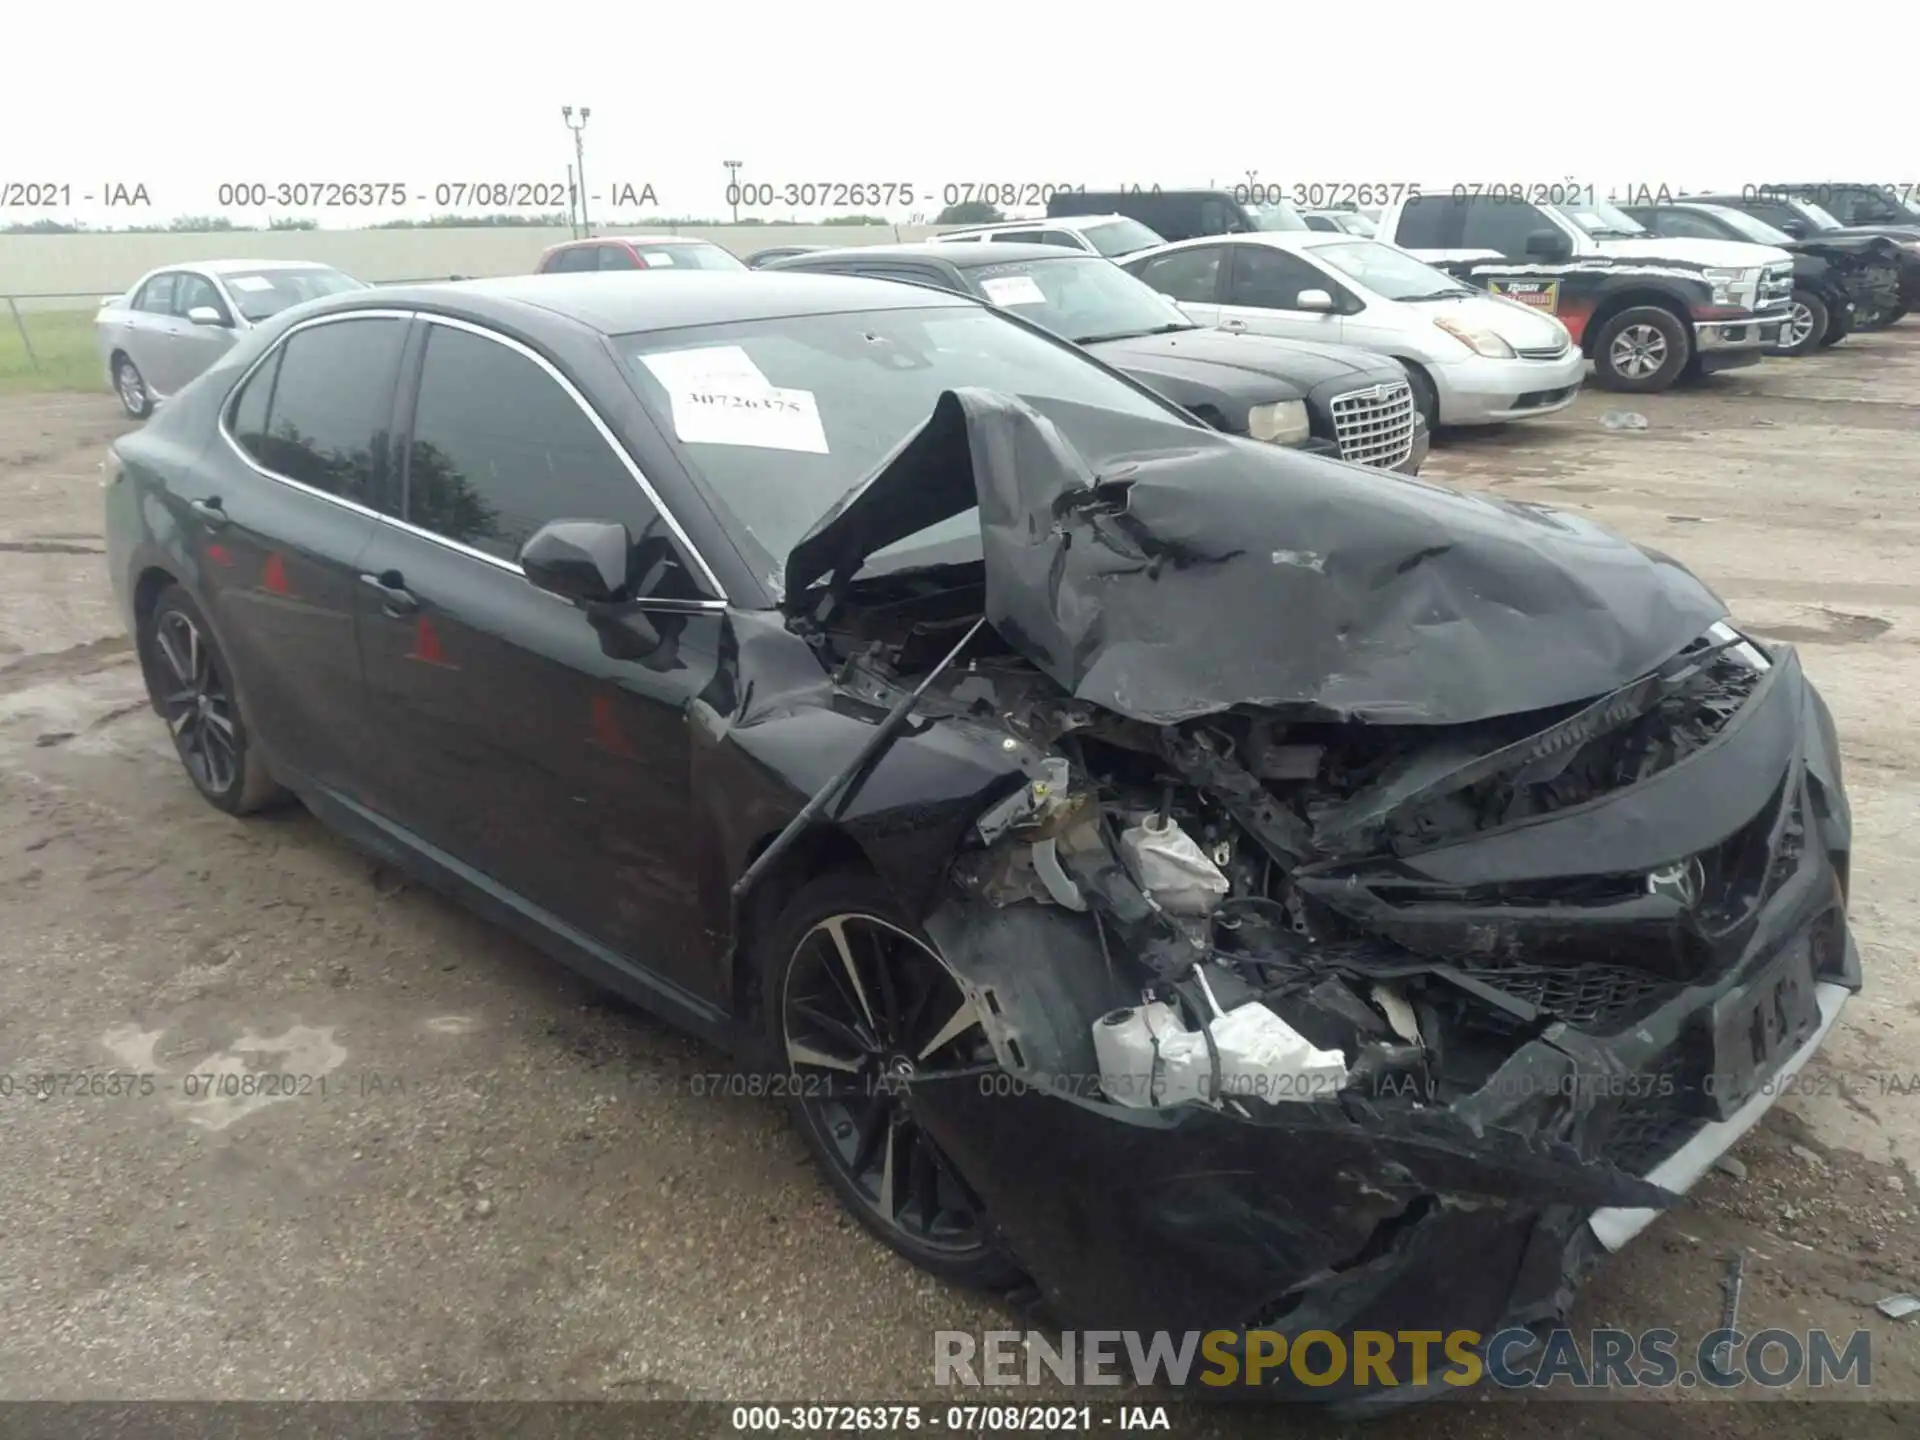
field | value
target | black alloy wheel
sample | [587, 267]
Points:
[862, 1007]
[192, 688]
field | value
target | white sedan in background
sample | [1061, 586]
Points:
[1473, 358]
[176, 321]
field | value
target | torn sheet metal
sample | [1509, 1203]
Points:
[1130, 568]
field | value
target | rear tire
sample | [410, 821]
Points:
[192, 686]
[131, 386]
[1839, 326]
[1805, 326]
[1642, 350]
[854, 998]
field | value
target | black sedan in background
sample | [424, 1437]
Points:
[1835, 281]
[1205, 882]
[1328, 399]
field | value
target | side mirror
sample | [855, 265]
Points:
[584, 562]
[1548, 245]
[1317, 300]
[1796, 228]
[205, 315]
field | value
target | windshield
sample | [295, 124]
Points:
[1600, 220]
[1279, 216]
[1390, 273]
[837, 393]
[1815, 215]
[692, 256]
[1079, 297]
[1751, 228]
[1122, 237]
[260, 293]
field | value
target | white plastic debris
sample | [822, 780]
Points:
[1623, 420]
[1899, 1307]
[1148, 1057]
[1172, 868]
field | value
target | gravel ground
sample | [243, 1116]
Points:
[514, 1188]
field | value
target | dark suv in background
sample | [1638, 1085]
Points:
[1179, 214]
[1806, 219]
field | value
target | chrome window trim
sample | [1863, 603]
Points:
[606, 435]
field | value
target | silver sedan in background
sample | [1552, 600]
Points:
[176, 321]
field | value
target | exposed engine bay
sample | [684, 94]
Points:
[1210, 854]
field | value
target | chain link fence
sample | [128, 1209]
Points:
[47, 338]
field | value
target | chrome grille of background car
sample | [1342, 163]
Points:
[1542, 352]
[1375, 426]
[1776, 287]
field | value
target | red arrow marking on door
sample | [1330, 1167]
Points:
[606, 734]
[273, 577]
[426, 645]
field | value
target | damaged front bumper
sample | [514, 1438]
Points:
[1647, 1038]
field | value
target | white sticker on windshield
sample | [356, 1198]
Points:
[726, 365]
[767, 418]
[249, 282]
[654, 258]
[1013, 290]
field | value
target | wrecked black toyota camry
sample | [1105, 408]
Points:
[1210, 886]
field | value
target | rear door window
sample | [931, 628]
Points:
[156, 296]
[1190, 275]
[1429, 222]
[320, 412]
[1501, 227]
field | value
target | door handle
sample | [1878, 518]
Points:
[395, 598]
[210, 512]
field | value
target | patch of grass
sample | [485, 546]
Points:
[62, 343]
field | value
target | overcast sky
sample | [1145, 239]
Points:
[191, 94]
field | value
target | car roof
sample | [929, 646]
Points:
[1044, 222]
[971, 257]
[633, 240]
[612, 304]
[240, 267]
[1279, 239]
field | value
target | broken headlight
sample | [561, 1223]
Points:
[1284, 422]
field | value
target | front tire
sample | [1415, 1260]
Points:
[1426, 399]
[857, 1002]
[1805, 326]
[191, 685]
[1839, 326]
[131, 386]
[1642, 350]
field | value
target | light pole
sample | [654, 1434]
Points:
[579, 161]
[733, 186]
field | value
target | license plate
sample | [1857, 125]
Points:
[1757, 1028]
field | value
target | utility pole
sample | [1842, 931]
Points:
[573, 201]
[733, 186]
[579, 162]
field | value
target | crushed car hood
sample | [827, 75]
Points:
[1163, 571]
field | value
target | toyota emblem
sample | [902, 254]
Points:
[1684, 880]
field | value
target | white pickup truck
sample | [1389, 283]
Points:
[1645, 309]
